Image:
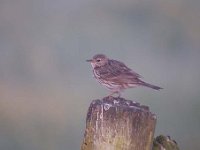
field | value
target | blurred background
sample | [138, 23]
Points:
[46, 86]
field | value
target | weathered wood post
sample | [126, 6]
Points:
[118, 124]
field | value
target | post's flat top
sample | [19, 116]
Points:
[108, 102]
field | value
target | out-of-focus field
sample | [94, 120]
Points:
[46, 86]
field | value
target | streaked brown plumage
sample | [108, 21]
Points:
[115, 75]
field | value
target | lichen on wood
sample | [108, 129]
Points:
[162, 142]
[118, 124]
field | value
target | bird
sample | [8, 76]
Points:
[115, 75]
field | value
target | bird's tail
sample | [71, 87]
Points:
[151, 86]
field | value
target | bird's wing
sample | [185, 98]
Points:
[120, 69]
[118, 72]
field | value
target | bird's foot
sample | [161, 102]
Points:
[111, 96]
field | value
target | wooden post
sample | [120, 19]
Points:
[118, 124]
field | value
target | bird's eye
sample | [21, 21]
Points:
[98, 60]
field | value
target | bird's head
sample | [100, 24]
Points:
[98, 60]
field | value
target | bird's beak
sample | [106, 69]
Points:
[89, 60]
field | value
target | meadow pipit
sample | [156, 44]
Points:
[115, 75]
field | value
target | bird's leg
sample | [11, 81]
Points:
[115, 92]
[110, 95]
[119, 94]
